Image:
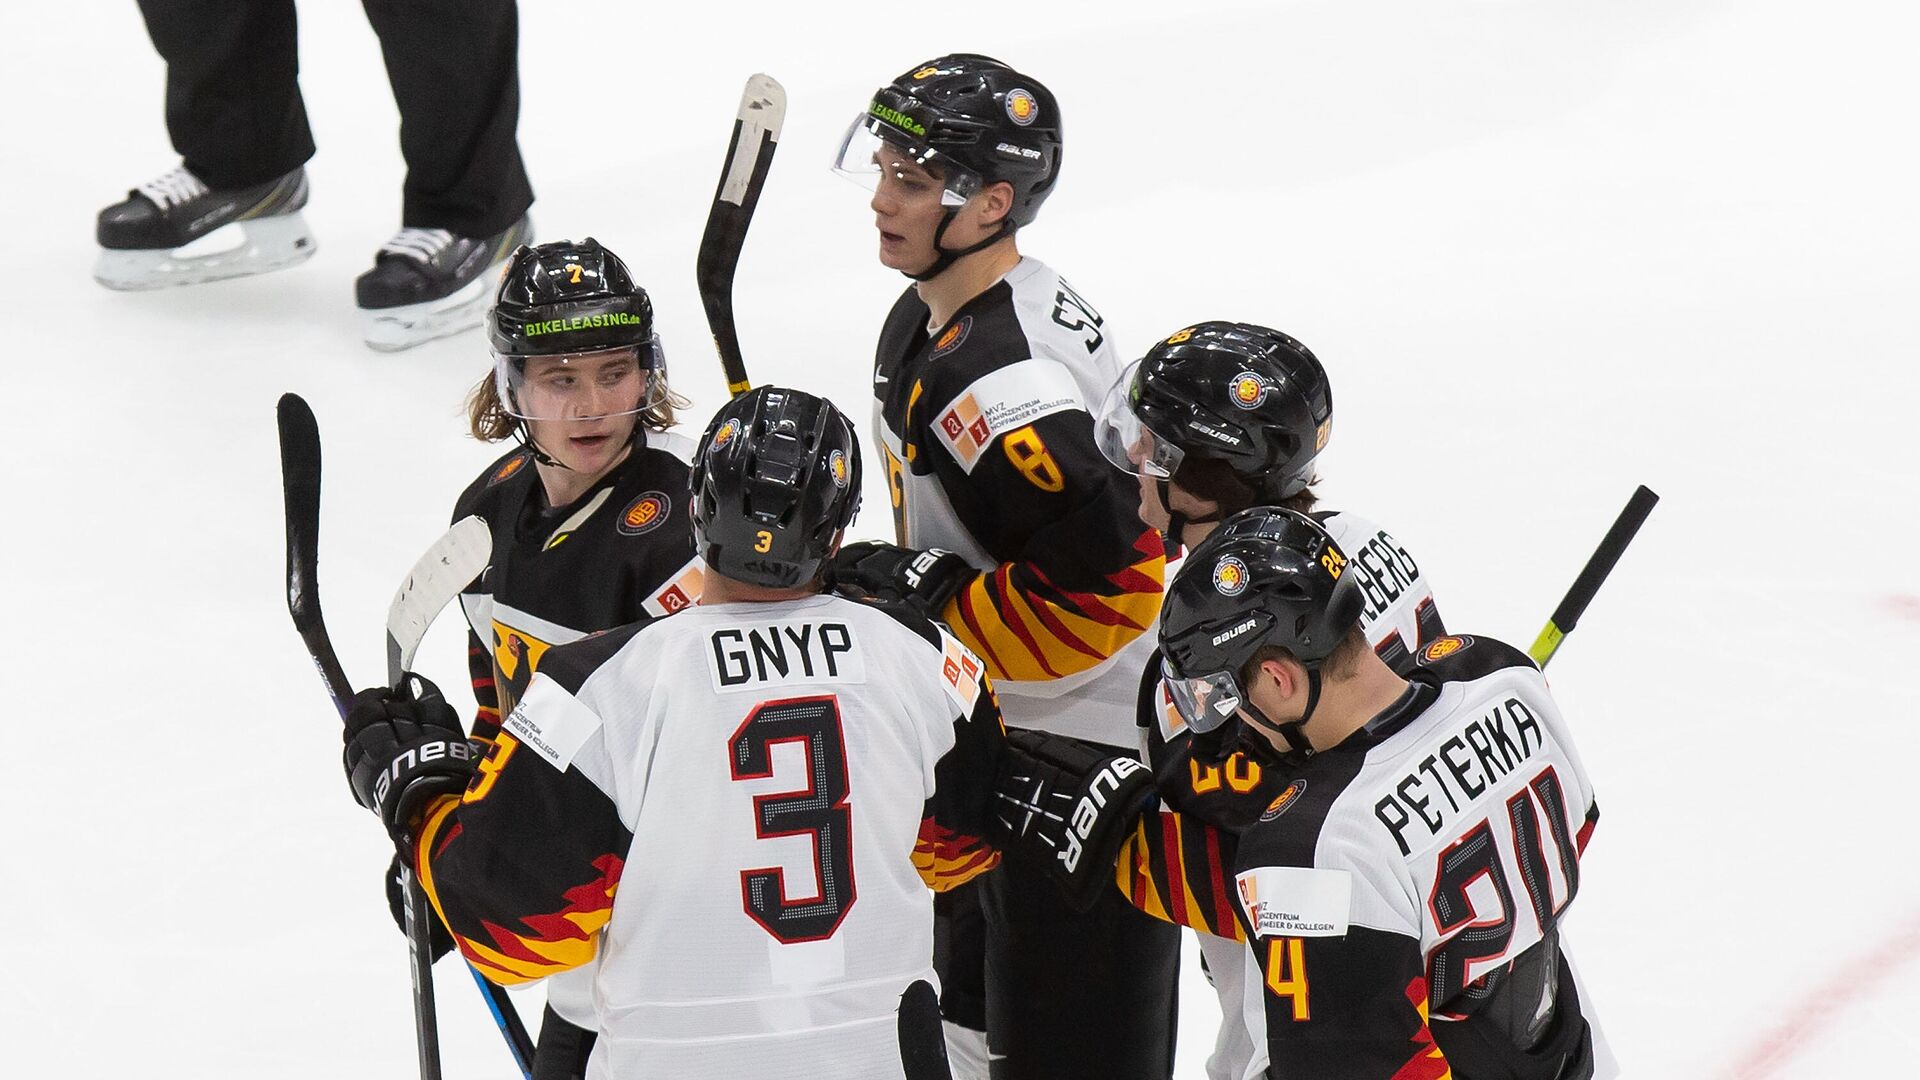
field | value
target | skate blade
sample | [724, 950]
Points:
[399, 328]
[236, 249]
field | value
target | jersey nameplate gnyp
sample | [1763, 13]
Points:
[792, 651]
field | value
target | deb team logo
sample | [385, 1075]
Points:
[837, 468]
[1230, 576]
[1285, 799]
[645, 513]
[1247, 390]
[727, 433]
[1022, 109]
[512, 465]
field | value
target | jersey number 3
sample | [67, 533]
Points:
[818, 812]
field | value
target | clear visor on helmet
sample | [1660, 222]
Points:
[1127, 442]
[620, 381]
[1206, 701]
[873, 162]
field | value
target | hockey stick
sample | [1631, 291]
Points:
[923, 1041]
[756, 134]
[1574, 604]
[439, 575]
[300, 475]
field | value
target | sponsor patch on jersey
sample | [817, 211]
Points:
[727, 433]
[1248, 390]
[1022, 109]
[1285, 799]
[1296, 901]
[1002, 401]
[952, 336]
[552, 722]
[680, 592]
[509, 467]
[1230, 576]
[1442, 648]
[644, 514]
[837, 468]
[959, 672]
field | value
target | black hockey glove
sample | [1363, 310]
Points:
[883, 571]
[397, 903]
[1068, 807]
[401, 750]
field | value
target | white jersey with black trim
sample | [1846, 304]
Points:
[772, 762]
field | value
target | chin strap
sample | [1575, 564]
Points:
[944, 258]
[637, 440]
[1177, 522]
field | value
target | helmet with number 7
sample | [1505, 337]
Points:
[775, 479]
[1266, 576]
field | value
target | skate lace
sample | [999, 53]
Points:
[176, 187]
[420, 245]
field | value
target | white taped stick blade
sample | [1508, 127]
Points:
[763, 109]
[447, 568]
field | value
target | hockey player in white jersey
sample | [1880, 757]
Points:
[1403, 892]
[1013, 531]
[1215, 418]
[741, 807]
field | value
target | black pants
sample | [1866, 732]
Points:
[562, 1052]
[1062, 995]
[235, 113]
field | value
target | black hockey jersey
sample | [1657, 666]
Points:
[743, 808]
[1403, 890]
[622, 552]
[990, 454]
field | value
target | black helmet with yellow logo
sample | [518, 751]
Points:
[1243, 394]
[1266, 576]
[775, 479]
[974, 121]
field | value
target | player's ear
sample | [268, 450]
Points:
[996, 202]
[1289, 678]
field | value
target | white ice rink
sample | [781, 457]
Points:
[1547, 250]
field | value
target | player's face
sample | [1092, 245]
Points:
[907, 210]
[590, 402]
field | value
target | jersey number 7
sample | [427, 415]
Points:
[818, 812]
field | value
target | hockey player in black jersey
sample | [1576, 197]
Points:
[1403, 891]
[740, 810]
[589, 515]
[1215, 418]
[1014, 531]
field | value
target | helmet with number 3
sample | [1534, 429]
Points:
[775, 479]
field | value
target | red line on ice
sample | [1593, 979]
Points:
[1854, 981]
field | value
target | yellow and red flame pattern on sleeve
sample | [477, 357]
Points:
[1427, 1062]
[518, 911]
[947, 859]
[1177, 868]
[1026, 627]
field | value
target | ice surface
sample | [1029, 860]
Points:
[1548, 251]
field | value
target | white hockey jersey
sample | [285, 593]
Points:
[748, 802]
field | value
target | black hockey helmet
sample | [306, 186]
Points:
[567, 297]
[1266, 576]
[775, 479]
[1246, 395]
[975, 120]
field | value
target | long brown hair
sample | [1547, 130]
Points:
[489, 420]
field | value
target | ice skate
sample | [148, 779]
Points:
[428, 283]
[177, 231]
